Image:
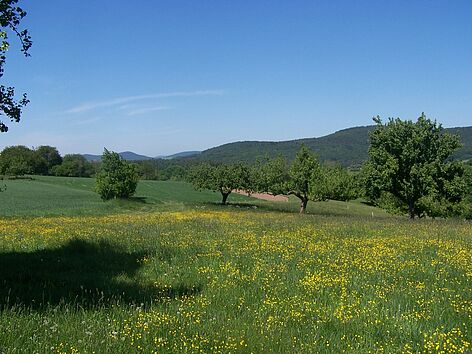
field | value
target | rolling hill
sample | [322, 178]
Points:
[180, 154]
[347, 147]
[126, 155]
[132, 156]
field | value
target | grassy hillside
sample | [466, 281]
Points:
[347, 147]
[75, 196]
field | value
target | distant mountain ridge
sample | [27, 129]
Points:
[347, 147]
[182, 154]
[126, 155]
[132, 156]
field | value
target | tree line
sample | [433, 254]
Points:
[45, 160]
[306, 178]
[20, 160]
[409, 170]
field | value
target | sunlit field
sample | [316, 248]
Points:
[226, 279]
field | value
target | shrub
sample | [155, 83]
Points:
[117, 178]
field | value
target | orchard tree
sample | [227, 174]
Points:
[335, 183]
[221, 178]
[10, 17]
[270, 176]
[298, 179]
[301, 176]
[117, 178]
[465, 207]
[410, 161]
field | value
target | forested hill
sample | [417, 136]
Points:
[347, 147]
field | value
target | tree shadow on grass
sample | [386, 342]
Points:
[230, 204]
[142, 200]
[79, 274]
[261, 206]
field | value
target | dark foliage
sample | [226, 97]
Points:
[73, 165]
[10, 18]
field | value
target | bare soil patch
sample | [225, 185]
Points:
[263, 196]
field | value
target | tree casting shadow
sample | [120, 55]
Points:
[280, 208]
[80, 274]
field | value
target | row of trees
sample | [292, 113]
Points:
[304, 178]
[162, 169]
[44, 160]
[409, 171]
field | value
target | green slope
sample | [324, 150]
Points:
[75, 196]
[347, 147]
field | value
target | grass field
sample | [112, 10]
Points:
[171, 271]
[72, 196]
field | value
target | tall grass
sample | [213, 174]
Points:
[233, 280]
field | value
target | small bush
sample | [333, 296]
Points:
[117, 178]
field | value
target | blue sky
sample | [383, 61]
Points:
[159, 77]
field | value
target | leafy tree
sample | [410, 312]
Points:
[73, 165]
[17, 161]
[465, 207]
[273, 177]
[270, 176]
[221, 178]
[301, 176]
[46, 157]
[410, 161]
[335, 183]
[147, 169]
[117, 178]
[173, 172]
[10, 17]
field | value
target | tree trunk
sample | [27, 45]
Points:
[303, 203]
[225, 197]
[411, 209]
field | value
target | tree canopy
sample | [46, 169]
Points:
[221, 178]
[410, 160]
[301, 176]
[17, 161]
[10, 18]
[335, 183]
[46, 158]
[117, 178]
[73, 165]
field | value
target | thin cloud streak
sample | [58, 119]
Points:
[87, 121]
[88, 106]
[139, 111]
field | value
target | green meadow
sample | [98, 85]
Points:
[171, 270]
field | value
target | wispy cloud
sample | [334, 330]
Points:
[87, 121]
[89, 106]
[144, 110]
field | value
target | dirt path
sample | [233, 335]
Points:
[264, 196]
